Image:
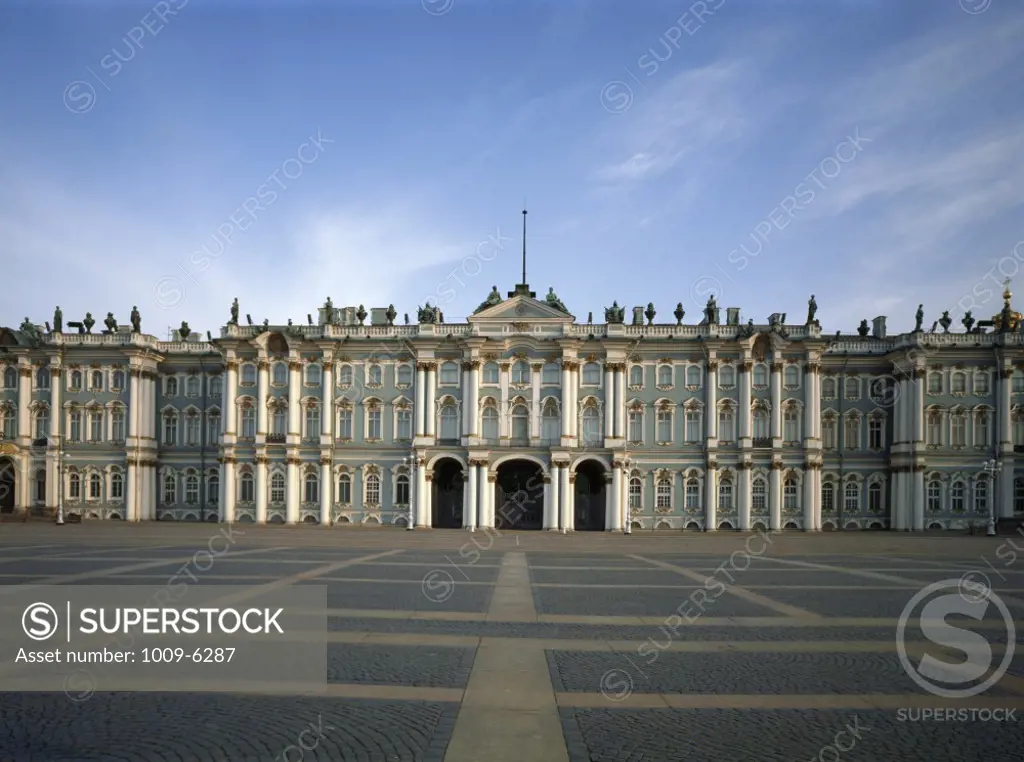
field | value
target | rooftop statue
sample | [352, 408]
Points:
[88, 322]
[812, 310]
[136, 319]
[919, 317]
[492, 299]
[554, 301]
[711, 310]
[110, 322]
[615, 315]
[58, 321]
[234, 312]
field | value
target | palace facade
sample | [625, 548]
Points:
[521, 416]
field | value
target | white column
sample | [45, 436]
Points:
[1005, 425]
[711, 401]
[1004, 508]
[473, 404]
[620, 400]
[743, 494]
[550, 504]
[431, 406]
[421, 398]
[897, 413]
[327, 402]
[504, 419]
[294, 401]
[614, 520]
[488, 483]
[428, 499]
[467, 408]
[711, 499]
[906, 406]
[326, 492]
[775, 498]
[24, 398]
[469, 516]
[918, 401]
[816, 497]
[566, 400]
[294, 492]
[261, 490]
[575, 409]
[131, 504]
[570, 507]
[563, 498]
[776, 420]
[808, 505]
[262, 384]
[609, 403]
[918, 499]
[422, 504]
[810, 404]
[227, 470]
[815, 377]
[230, 405]
[535, 378]
[744, 411]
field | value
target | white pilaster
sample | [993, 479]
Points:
[575, 409]
[744, 411]
[775, 498]
[467, 407]
[550, 502]
[711, 499]
[1003, 401]
[488, 483]
[231, 405]
[421, 402]
[431, 406]
[570, 508]
[326, 492]
[427, 500]
[816, 497]
[776, 415]
[261, 490]
[614, 519]
[535, 378]
[131, 503]
[422, 505]
[609, 403]
[566, 400]
[743, 494]
[620, 401]
[262, 384]
[563, 497]
[918, 499]
[294, 401]
[472, 496]
[711, 401]
[294, 485]
[327, 403]
[228, 479]
[808, 505]
[24, 399]
[504, 414]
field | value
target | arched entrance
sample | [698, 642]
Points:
[590, 497]
[447, 495]
[519, 501]
[7, 485]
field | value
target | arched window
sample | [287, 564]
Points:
[665, 375]
[727, 424]
[279, 420]
[311, 489]
[790, 495]
[95, 487]
[75, 426]
[449, 422]
[97, 381]
[551, 375]
[934, 496]
[247, 488]
[550, 429]
[852, 432]
[828, 431]
[663, 493]
[170, 490]
[521, 373]
[449, 374]
[374, 375]
[74, 486]
[636, 375]
[981, 496]
[958, 428]
[191, 489]
[344, 422]
[373, 490]
[727, 377]
[491, 374]
[636, 425]
[313, 374]
[760, 378]
[851, 498]
[490, 422]
[591, 374]
[520, 423]
[693, 425]
[957, 495]
[693, 376]
[248, 421]
[958, 383]
[75, 380]
[11, 378]
[8, 422]
[934, 430]
[280, 377]
[402, 490]
[935, 382]
[277, 488]
[171, 387]
[43, 378]
[875, 498]
[663, 425]
[42, 423]
[213, 489]
[635, 493]
[192, 386]
[117, 486]
[216, 386]
[345, 376]
[374, 432]
[170, 429]
[591, 425]
[404, 375]
[344, 495]
[725, 494]
[313, 420]
[759, 496]
[981, 383]
[791, 424]
[761, 423]
[791, 379]
[828, 388]
[981, 419]
[828, 497]
[192, 428]
[692, 494]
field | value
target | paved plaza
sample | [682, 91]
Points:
[446, 646]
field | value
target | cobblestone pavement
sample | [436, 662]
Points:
[547, 648]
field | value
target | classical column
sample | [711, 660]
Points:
[227, 476]
[327, 402]
[575, 409]
[810, 403]
[535, 378]
[620, 400]
[743, 494]
[294, 490]
[609, 402]
[744, 411]
[1004, 508]
[563, 497]
[131, 496]
[1005, 406]
[431, 406]
[816, 497]
[570, 503]
[422, 506]
[711, 401]
[469, 517]
[918, 498]
[504, 414]
[427, 498]
[294, 401]
[472, 405]
[261, 488]
[711, 497]
[467, 407]
[326, 491]
[550, 504]
[775, 496]
[491, 488]
[614, 518]
[566, 399]
[918, 402]
[230, 403]
[808, 505]
[262, 384]
[24, 398]
[896, 498]
[421, 398]
[776, 420]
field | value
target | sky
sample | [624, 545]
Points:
[175, 155]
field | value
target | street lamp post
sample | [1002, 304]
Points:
[409, 472]
[626, 463]
[992, 467]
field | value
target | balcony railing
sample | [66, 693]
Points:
[275, 438]
[762, 442]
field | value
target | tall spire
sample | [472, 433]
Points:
[523, 289]
[524, 248]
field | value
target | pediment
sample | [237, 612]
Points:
[520, 308]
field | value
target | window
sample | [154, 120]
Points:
[345, 376]
[981, 383]
[116, 486]
[170, 429]
[591, 374]
[958, 429]
[851, 439]
[277, 488]
[1018, 495]
[403, 375]
[11, 378]
[171, 387]
[520, 373]
[402, 490]
[449, 422]
[216, 386]
[693, 376]
[549, 422]
[97, 381]
[374, 376]
[759, 496]
[934, 429]
[9, 419]
[725, 494]
[192, 386]
[934, 496]
[311, 489]
[191, 489]
[43, 378]
[213, 489]
[373, 490]
[635, 493]
[760, 377]
[791, 424]
[790, 495]
[490, 422]
[312, 421]
[403, 428]
[248, 421]
[117, 420]
[280, 374]
[591, 425]
[373, 429]
[664, 426]
[828, 497]
[828, 388]
[875, 497]
[449, 374]
[636, 375]
[693, 432]
[279, 421]
[692, 494]
[192, 429]
[313, 374]
[491, 376]
[957, 497]
[74, 487]
[851, 498]
[75, 380]
[636, 426]
[935, 382]
[520, 423]
[344, 489]
[663, 493]
[828, 432]
[727, 377]
[1018, 382]
[665, 376]
[881, 391]
[42, 424]
[958, 383]
[213, 429]
[876, 432]
[981, 496]
[75, 426]
[761, 424]
[981, 428]
[170, 490]
[95, 487]
[95, 425]
[791, 378]
[851, 388]
[345, 423]
[550, 376]
[247, 490]
[41, 486]
[727, 424]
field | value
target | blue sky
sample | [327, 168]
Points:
[381, 153]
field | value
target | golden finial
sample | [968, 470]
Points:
[1006, 292]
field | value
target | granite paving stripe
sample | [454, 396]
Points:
[755, 701]
[656, 671]
[458, 573]
[658, 603]
[426, 666]
[444, 595]
[589, 577]
[853, 603]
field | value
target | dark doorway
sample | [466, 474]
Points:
[6, 487]
[590, 497]
[519, 501]
[447, 497]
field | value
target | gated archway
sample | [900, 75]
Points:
[591, 495]
[7, 486]
[446, 500]
[519, 499]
